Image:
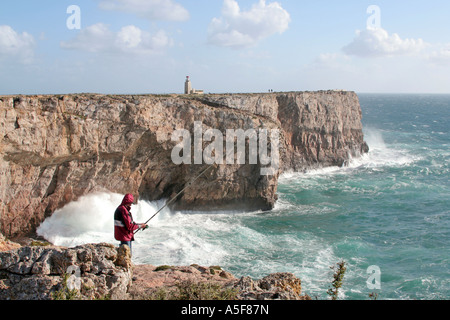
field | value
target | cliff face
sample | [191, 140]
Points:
[54, 149]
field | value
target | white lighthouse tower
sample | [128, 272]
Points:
[187, 86]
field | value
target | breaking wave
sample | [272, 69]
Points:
[379, 156]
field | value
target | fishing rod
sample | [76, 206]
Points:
[176, 196]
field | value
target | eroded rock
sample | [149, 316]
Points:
[56, 148]
[45, 273]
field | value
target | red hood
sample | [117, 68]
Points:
[128, 199]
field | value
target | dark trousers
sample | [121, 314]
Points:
[128, 243]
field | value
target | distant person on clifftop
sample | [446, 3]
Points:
[124, 226]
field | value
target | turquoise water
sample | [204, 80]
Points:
[388, 209]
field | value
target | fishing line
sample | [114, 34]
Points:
[176, 196]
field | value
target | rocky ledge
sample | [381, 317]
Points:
[103, 271]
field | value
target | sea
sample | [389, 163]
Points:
[386, 214]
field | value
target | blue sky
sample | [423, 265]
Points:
[150, 46]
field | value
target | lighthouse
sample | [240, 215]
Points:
[187, 86]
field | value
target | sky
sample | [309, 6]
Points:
[150, 46]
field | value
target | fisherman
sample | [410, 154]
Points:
[124, 226]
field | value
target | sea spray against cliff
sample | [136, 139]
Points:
[89, 219]
[380, 155]
[173, 237]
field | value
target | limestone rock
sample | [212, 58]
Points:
[277, 286]
[98, 271]
[124, 257]
[45, 273]
[6, 245]
[148, 278]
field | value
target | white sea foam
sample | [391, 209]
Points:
[380, 155]
[185, 237]
[173, 238]
[89, 219]
[81, 221]
[181, 238]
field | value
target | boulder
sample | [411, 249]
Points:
[276, 286]
[92, 271]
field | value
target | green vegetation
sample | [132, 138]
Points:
[216, 268]
[204, 291]
[65, 293]
[189, 290]
[36, 243]
[162, 268]
[373, 296]
[338, 277]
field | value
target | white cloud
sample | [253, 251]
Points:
[94, 38]
[440, 56]
[130, 39]
[15, 45]
[241, 29]
[148, 9]
[330, 59]
[376, 42]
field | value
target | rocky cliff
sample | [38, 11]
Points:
[103, 271]
[56, 148]
[93, 271]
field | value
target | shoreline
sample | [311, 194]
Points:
[105, 271]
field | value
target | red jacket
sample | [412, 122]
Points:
[124, 226]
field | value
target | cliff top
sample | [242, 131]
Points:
[174, 95]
